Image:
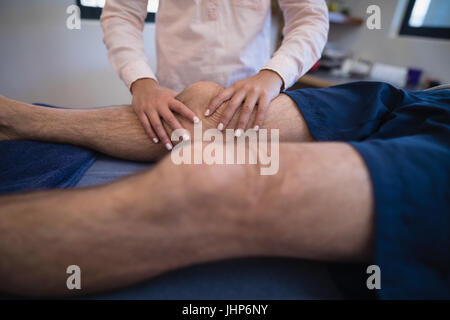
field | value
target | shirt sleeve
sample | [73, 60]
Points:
[123, 23]
[304, 37]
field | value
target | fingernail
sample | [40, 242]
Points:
[256, 128]
[186, 137]
[238, 133]
[207, 112]
[155, 140]
[220, 126]
[168, 146]
[196, 120]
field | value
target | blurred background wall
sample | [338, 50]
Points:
[42, 61]
[385, 46]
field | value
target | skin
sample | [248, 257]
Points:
[319, 205]
[259, 89]
[152, 102]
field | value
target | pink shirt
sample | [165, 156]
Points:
[212, 40]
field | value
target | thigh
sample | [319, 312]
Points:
[320, 203]
[317, 205]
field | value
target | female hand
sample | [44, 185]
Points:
[152, 102]
[259, 89]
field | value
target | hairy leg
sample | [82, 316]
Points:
[116, 131]
[318, 206]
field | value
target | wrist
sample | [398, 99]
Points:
[143, 83]
[274, 77]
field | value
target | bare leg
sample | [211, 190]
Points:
[116, 131]
[319, 206]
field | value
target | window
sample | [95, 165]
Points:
[427, 18]
[92, 9]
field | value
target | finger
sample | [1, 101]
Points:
[160, 130]
[245, 113]
[173, 123]
[218, 100]
[148, 128]
[184, 111]
[263, 105]
[230, 110]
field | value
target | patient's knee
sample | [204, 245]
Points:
[227, 184]
[199, 95]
